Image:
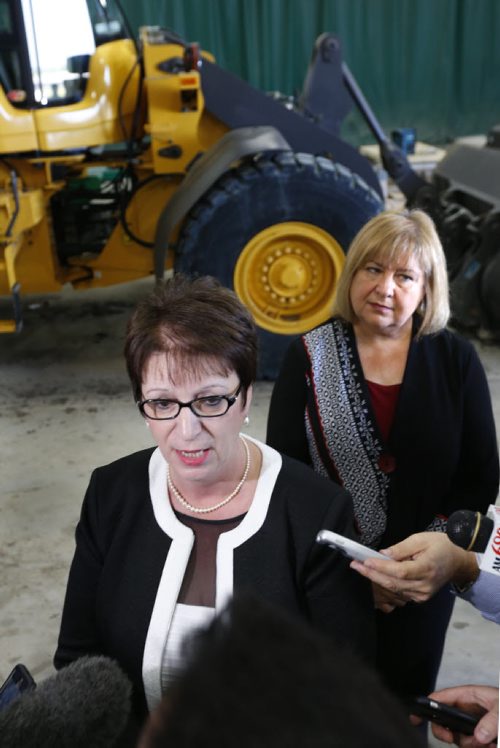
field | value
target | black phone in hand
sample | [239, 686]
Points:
[454, 719]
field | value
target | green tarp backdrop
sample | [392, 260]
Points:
[429, 64]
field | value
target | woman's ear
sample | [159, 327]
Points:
[423, 302]
[248, 403]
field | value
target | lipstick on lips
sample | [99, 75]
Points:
[380, 307]
[192, 457]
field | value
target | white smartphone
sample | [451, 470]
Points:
[347, 546]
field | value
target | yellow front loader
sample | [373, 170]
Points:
[121, 159]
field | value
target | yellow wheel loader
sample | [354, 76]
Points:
[121, 159]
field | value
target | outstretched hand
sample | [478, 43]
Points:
[416, 568]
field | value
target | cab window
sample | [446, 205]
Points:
[46, 46]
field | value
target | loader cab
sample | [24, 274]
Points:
[45, 49]
[68, 74]
[15, 76]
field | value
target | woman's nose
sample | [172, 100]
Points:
[188, 423]
[385, 284]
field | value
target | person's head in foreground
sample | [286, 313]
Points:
[255, 677]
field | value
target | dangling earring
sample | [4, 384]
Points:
[246, 420]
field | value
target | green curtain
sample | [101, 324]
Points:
[429, 64]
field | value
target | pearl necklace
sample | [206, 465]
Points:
[199, 510]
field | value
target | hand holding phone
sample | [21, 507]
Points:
[454, 719]
[348, 547]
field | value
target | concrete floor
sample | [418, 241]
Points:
[66, 407]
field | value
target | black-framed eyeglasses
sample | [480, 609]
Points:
[212, 406]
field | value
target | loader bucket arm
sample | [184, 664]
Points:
[238, 104]
[394, 160]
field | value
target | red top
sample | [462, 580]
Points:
[384, 398]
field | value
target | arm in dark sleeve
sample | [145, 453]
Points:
[78, 633]
[340, 601]
[286, 430]
[475, 484]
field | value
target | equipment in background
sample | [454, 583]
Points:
[464, 201]
[122, 159]
[405, 138]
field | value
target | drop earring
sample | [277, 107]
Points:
[246, 420]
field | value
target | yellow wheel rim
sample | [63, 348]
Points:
[287, 275]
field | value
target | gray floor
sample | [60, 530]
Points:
[65, 407]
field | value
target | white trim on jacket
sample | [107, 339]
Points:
[178, 556]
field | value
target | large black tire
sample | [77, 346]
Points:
[316, 196]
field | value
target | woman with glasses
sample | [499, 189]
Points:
[167, 535]
[387, 402]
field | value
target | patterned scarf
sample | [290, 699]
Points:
[343, 440]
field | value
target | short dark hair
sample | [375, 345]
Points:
[258, 677]
[197, 322]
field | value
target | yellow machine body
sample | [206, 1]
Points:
[27, 252]
[112, 164]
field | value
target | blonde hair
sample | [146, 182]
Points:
[390, 236]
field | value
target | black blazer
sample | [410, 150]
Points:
[131, 554]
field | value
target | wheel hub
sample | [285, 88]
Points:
[287, 275]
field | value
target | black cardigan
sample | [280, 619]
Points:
[443, 437]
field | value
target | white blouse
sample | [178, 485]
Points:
[185, 620]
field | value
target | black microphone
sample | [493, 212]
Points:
[84, 705]
[470, 530]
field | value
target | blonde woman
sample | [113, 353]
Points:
[386, 401]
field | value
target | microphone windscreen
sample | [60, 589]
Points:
[469, 530]
[84, 705]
